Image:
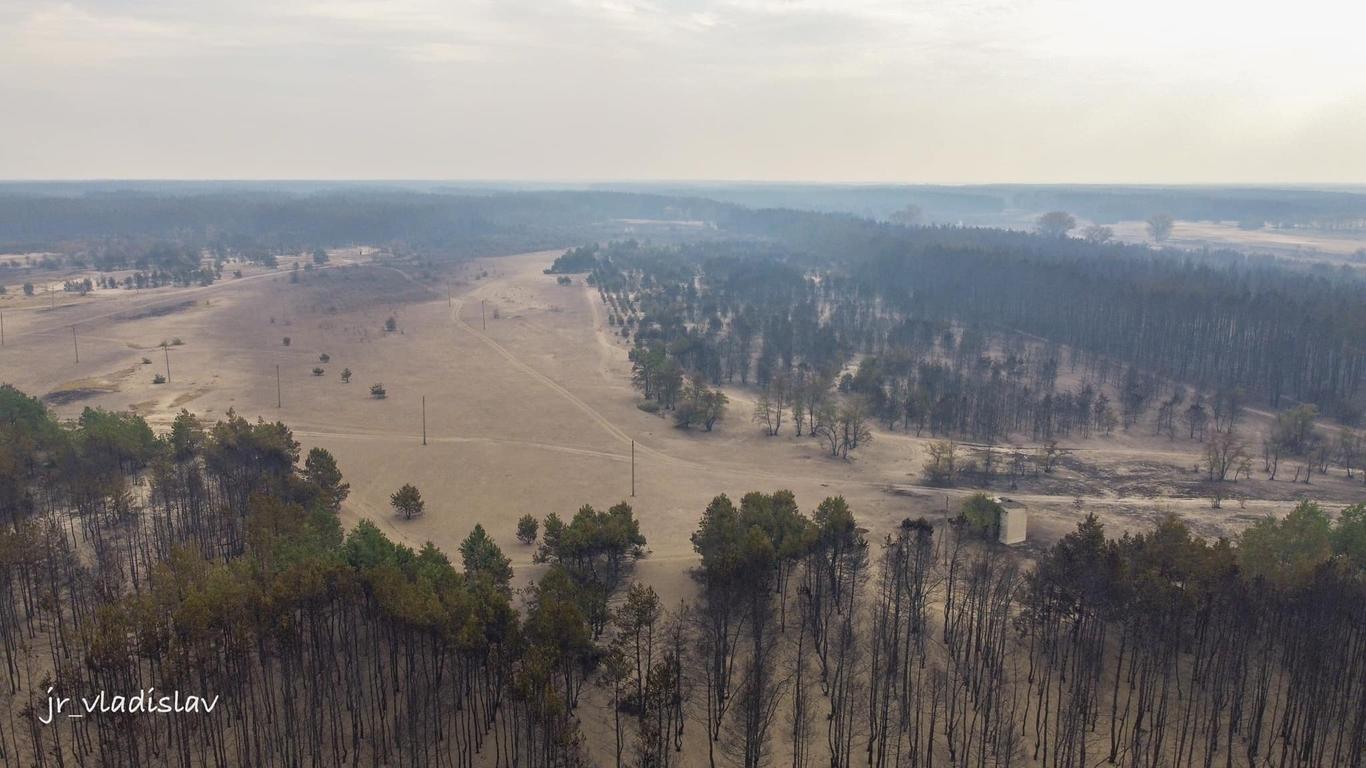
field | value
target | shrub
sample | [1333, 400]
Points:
[378, 391]
[158, 379]
[317, 371]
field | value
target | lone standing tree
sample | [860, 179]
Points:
[1160, 227]
[407, 501]
[1056, 224]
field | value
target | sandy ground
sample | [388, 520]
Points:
[1301, 244]
[528, 409]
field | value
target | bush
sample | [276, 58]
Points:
[285, 341]
[146, 361]
[391, 325]
[317, 371]
[158, 379]
[378, 391]
[649, 406]
[324, 357]
[982, 515]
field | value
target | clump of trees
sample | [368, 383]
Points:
[700, 405]
[594, 550]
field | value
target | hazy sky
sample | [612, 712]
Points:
[822, 90]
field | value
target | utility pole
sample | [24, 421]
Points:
[424, 419]
[167, 349]
[75, 348]
[482, 320]
[448, 293]
[277, 386]
[633, 469]
[2, 329]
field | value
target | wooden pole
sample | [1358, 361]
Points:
[277, 386]
[633, 469]
[167, 349]
[2, 329]
[482, 321]
[75, 348]
[424, 419]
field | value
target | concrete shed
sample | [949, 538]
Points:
[1014, 521]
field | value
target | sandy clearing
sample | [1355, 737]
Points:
[533, 415]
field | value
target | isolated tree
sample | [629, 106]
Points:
[317, 371]
[853, 425]
[1225, 452]
[527, 529]
[1160, 227]
[482, 558]
[320, 468]
[939, 467]
[378, 391]
[1056, 224]
[346, 375]
[319, 256]
[391, 324]
[1097, 234]
[28, 289]
[407, 501]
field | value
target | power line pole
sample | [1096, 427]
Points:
[2, 329]
[633, 469]
[76, 348]
[424, 419]
[482, 320]
[167, 349]
[277, 386]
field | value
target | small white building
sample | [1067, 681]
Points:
[1014, 521]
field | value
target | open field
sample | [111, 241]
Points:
[1300, 244]
[530, 410]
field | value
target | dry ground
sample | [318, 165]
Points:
[533, 414]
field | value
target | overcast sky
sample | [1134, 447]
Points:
[818, 90]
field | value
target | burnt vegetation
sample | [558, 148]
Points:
[211, 558]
